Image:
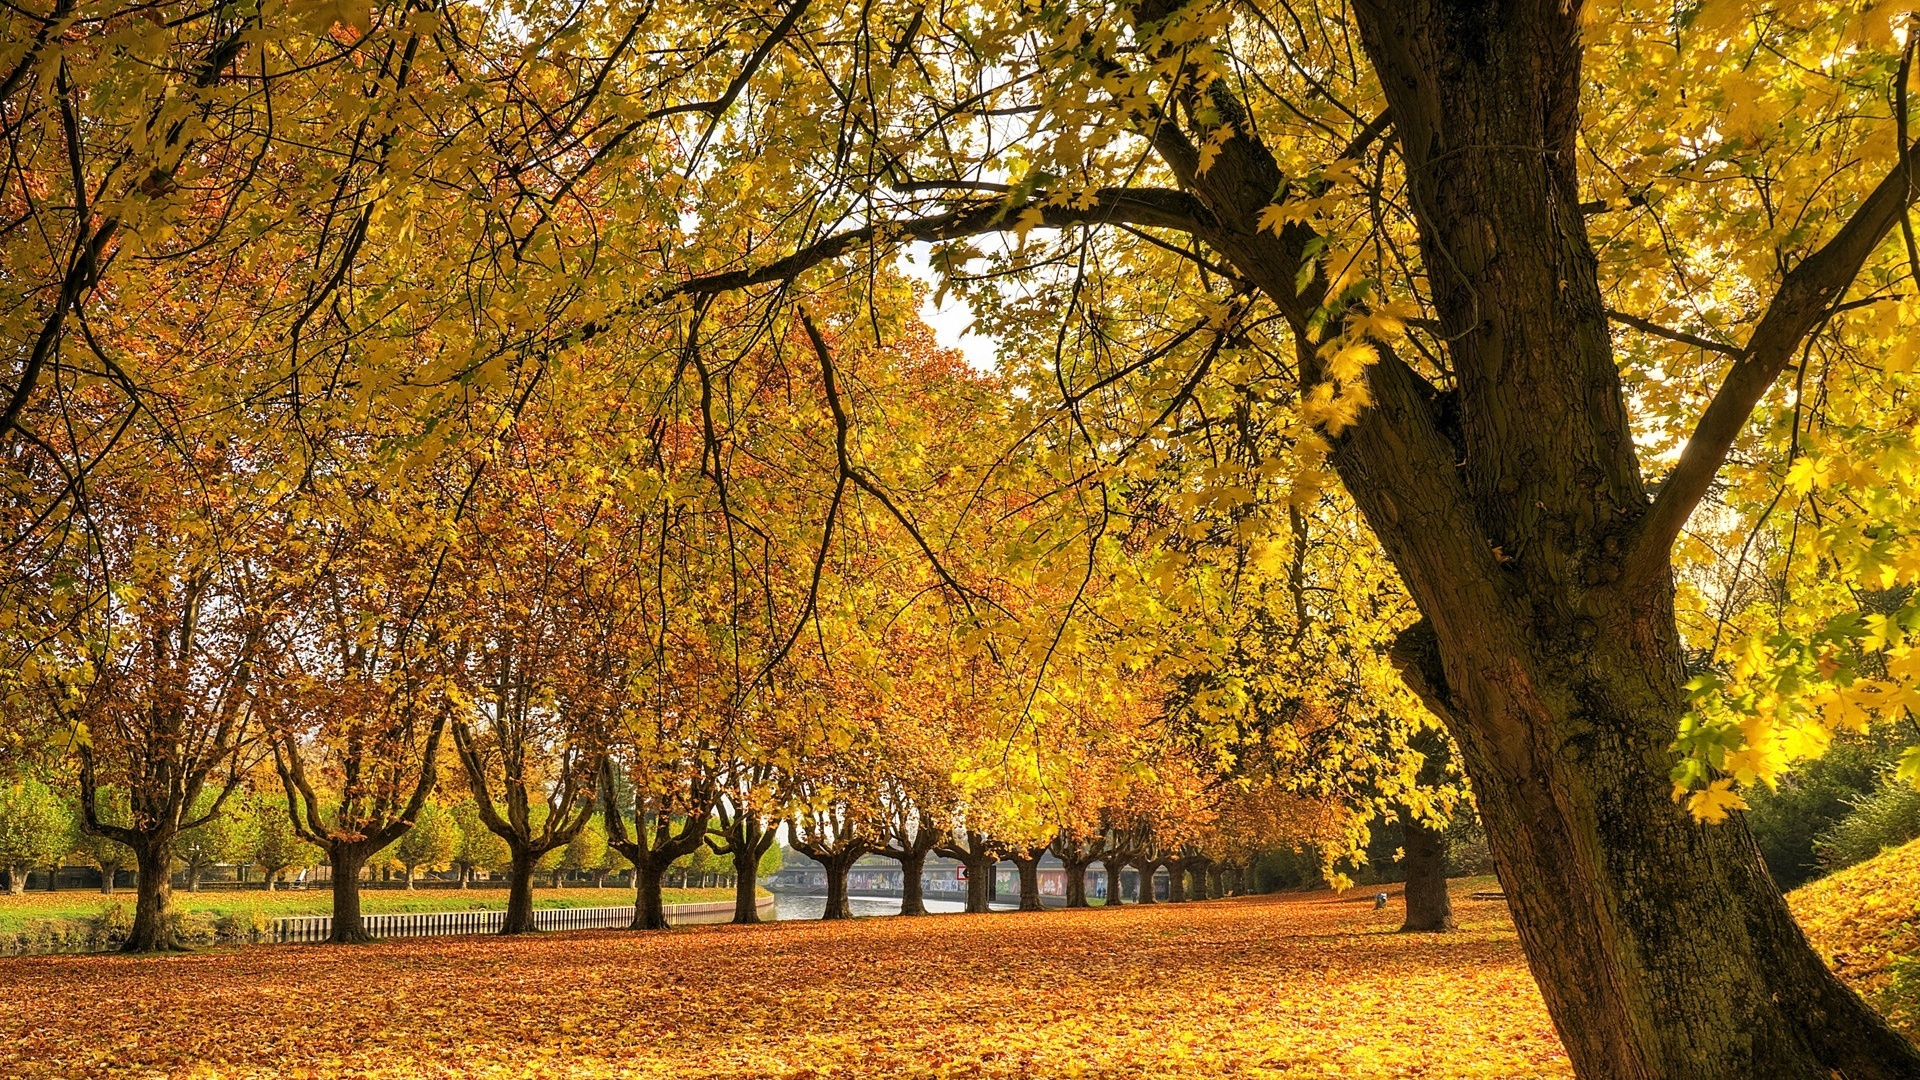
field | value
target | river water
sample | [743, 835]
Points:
[793, 906]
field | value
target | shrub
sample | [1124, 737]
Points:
[1886, 817]
[242, 926]
[109, 926]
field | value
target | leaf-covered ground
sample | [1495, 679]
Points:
[1864, 918]
[17, 911]
[1299, 986]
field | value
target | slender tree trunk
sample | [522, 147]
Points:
[746, 893]
[347, 861]
[1115, 884]
[649, 909]
[519, 918]
[152, 929]
[53, 878]
[409, 879]
[1076, 884]
[913, 899]
[1428, 907]
[838, 906]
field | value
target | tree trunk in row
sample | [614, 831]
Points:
[152, 929]
[837, 865]
[347, 861]
[1115, 886]
[912, 889]
[1144, 894]
[1076, 872]
[1428, 907]
[519, 918]
[1028, 864]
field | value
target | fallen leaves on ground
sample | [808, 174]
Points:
[1296, 986]
[1865, 917]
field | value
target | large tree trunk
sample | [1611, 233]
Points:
[152, 929]
[746, 892]
[838, 906]
[16, 880]
[1144, 893]
[1428, 907]
[271, 880]
[912, 890]
[1029, 868]
[1115, 884]
[519, 918]
[980, 884]
[409, 879]
[649, 909]
[1176, 883]
[347, 860]
[106, 878]
[1076, 872]
[194, 870]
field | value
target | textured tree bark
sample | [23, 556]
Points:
[16, 880]
[1176, 883]
[1028, 864]
[347, 860]
[838, 906]
[519, 918]
[746, 895]
[152, 929]
[649, 907]
[1114, 884]
[1145, 892]
[912, 890]
[1511, 501]
[1428, 907]
[1076, 872]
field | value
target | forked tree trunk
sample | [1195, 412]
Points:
[16, 880]
[152, 929]
[1428, 907]
[519, 918]
[347, 861]
[1115, 885]
[912, 889]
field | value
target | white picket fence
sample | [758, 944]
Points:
[438, 923]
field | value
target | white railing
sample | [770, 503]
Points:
[441, 923]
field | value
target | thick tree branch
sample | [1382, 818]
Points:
[1149, 207]
[1648, 326]
[1806, 297]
